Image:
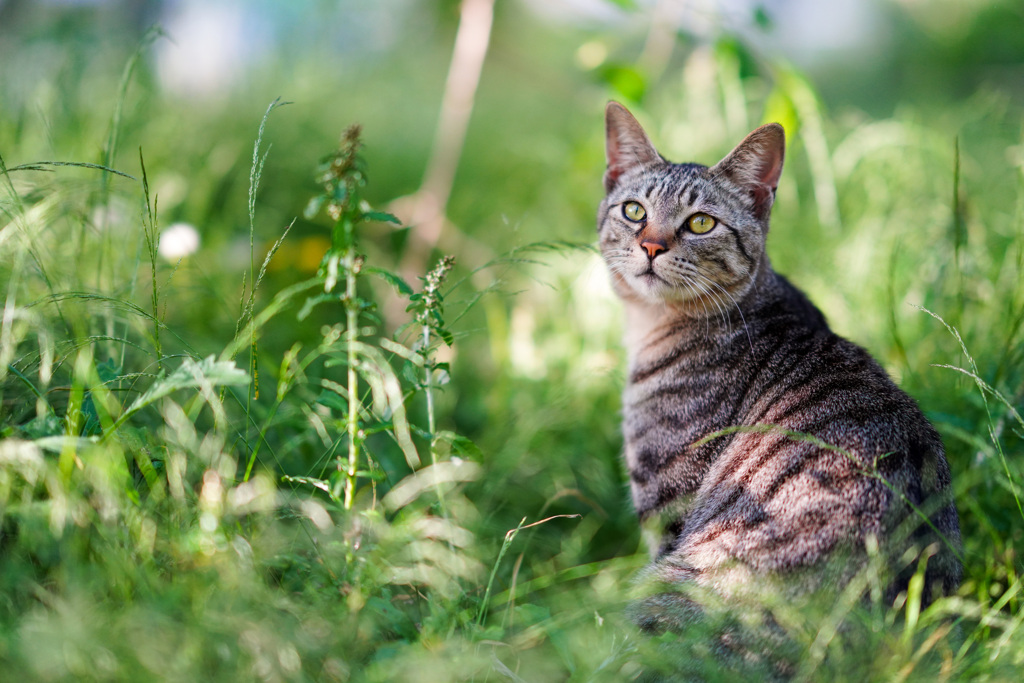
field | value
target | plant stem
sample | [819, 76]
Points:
[428, 378]
[351, 337]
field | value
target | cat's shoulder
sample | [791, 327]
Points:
[794, 299]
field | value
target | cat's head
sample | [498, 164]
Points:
[685, 233]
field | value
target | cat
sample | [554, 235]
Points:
[778, 454]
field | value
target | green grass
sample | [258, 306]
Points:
[159, 520]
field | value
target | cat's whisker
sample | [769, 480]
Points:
[719, 306]
[689, 285]
[719, 288]
[701, 295]
[743, 318]
[705, 292]
[707, 313]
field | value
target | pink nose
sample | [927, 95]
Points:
[653, 247]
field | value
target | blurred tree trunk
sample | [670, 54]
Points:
[425, 210]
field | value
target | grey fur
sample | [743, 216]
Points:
[716, 339]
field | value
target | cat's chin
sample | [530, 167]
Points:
[652, 288]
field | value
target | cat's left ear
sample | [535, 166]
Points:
[756, 164]
[626, 144]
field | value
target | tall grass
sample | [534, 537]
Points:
[439, 496]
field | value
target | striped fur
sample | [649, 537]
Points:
[716, 339]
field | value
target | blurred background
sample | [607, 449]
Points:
[483, 130]
[483, 125]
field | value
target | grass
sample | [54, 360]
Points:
[216, 470]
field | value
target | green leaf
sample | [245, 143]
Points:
[376, 474]
[626, 81]
[381, 217]
[312, 302]
[779, 107]
[91, 426]
[206, 373]
[762, 19]
[461, 446]
[444, 334]
[193, 374]
[45, 425]
[369, 314]
[398, 283]
[378, 428]
[410, 373]
[400, 350]
[332, 400]
[107, 371]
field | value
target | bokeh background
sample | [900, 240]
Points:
[483, 129]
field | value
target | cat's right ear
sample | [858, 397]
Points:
[756, 164]
[626, 144]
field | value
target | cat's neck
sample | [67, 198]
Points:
[711, 320]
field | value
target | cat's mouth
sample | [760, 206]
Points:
[650, 276]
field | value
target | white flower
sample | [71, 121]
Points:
[178, 241]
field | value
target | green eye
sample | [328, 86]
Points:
[700, 223]
[634, 212]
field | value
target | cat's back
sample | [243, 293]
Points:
[788, 444]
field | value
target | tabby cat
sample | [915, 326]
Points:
[769, 446]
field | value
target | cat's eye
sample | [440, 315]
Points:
[700, 223]
[634, 212]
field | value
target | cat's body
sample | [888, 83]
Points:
[826, 451]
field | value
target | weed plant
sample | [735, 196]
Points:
[282, 483]
[143, 479]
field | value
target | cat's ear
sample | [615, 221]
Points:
[626, 144]
[756, 164]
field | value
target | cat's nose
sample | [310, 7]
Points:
[653, 247]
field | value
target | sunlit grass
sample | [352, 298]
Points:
[158, 519]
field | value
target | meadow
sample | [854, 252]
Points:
[346, 439]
